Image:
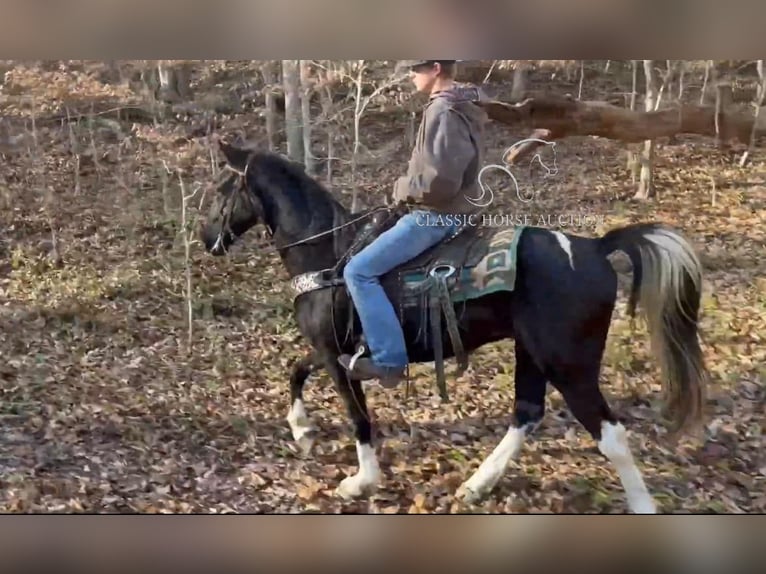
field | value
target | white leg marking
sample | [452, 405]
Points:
[301, 426]
[490, 471]
[614, 445]
[566, 245]
[366, 479]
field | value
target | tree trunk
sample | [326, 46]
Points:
[634, 165]
[270, 79]
[306, 89]
[708, 64]
[174, 82]
[291, 79]
[646, 182]
[330, 154]
[111, 74]
[569, 68]
[411, 129]
[325, 98]
[717, 117]
[358, 111]
[634, 92]
[519, 82]
[681, 76]
[667, 83]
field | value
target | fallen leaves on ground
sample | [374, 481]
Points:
[105, 409]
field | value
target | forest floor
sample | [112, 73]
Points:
[105, 407]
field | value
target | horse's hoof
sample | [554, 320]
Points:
[352, 487]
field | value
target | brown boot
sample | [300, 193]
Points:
[365, 369]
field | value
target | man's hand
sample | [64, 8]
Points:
[392, 201]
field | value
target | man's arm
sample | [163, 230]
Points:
[448, 149]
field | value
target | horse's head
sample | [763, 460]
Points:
[235, 207]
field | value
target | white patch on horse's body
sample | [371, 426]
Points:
[614, 445]
[301, 426]
[368, 476]
[566, 245]
[490, 471]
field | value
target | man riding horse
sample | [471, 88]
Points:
[443, 171]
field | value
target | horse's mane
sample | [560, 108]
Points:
[304, 192]
[313, 206]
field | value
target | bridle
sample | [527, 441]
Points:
[228, 206]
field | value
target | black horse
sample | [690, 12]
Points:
[558, 315]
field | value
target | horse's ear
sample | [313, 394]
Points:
[235, 156]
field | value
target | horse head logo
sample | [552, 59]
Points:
[487, 195]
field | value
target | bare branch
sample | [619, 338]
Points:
[187, 231]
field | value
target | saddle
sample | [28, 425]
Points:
[471, 263]
[428, 282]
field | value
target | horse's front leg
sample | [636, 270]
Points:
[368, 477]
[300, 424]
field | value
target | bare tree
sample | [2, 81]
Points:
[569, 68]
[519, 86]
[270, 73]
[306, 90]
[174, 82]
[358, 111]
[634, 165]
[291, 79]
[360, 106]
[412, 120]
[682, 65]
[634, 91]
[667, 80]
[646, 183]
[75, 150]
[708, 65]
[325, 80]
[489, 72]
[759, 100]
[718, 84]
[188, 229]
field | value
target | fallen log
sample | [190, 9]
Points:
[555, 117]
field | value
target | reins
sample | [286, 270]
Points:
[334, 229]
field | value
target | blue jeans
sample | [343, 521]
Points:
[409, 237]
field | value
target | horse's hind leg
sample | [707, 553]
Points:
[300, 424]
[584, 398]
[528, 411]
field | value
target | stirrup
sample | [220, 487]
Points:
[360, 352]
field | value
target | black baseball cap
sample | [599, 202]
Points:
[413, 63]
[403, 65]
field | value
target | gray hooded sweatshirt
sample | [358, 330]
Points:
[448, 153]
